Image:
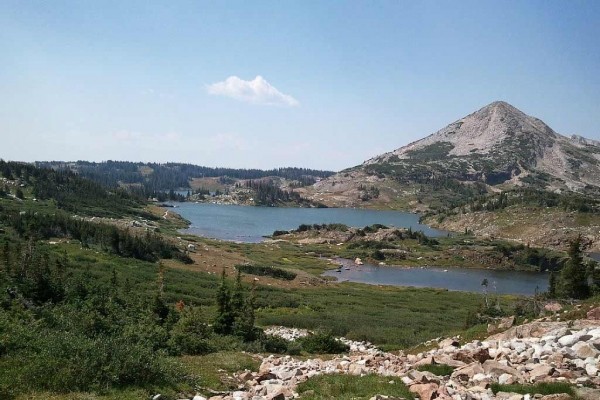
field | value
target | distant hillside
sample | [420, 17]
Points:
[154, 176]
[66, 190]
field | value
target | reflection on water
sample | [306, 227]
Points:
[251, 224]
[462, 279]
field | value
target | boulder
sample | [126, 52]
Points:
[425, 391]
[506, 379]
[506, 323]
[448, 342]
[244, 376]
[239, 395]
[482, 355]
[508, 396]
[466, 373]
[495, 368]
[276, 396]
[425, 361]
[540, 372]
[556, 396]
[594, 314]
[591, 369]
[265, 376]
[553, 307]
[568, 340]
[464, 357]
[584, 350]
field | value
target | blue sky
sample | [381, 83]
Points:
[321, 84]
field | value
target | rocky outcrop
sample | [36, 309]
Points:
[531, 353]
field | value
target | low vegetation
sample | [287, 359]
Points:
[437, 369]
[95, 303]
[273, 272]
[543, 388]
[347, 387]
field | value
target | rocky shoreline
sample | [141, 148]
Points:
[535, 352]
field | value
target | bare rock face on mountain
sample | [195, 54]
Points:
[497, 146]
[500, 143]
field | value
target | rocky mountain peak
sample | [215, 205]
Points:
[486, 130]
[497, 147]
[496, 144]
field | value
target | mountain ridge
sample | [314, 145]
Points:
[497, 147]
[499, 138]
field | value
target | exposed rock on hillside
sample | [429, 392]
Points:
[530, 353]
[496, 147]
[500, 143]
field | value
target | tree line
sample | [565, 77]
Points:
[152, 177]
[268, 194]
[69, 191]
[149, 246]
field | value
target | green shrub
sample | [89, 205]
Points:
[322, 343]
[437, 369]
[191, 334]
[544, 388]
[273, 272]
[348, 387]
[274, 344]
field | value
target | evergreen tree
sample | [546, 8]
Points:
[552, 285]
[225, 319]
[573, 277]
[244, 311]
[6, 257]
[245, 323]
[237, 298]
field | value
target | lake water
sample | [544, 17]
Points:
[469, 280]
[251, 224]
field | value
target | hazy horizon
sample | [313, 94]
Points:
[323, 85]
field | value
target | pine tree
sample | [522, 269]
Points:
[225, 319]
[237, 298]
[552, 285]
[573, 277]
[6, 257]
[244, 318]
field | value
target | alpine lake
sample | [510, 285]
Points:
[252, 224]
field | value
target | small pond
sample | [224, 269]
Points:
[461, 279]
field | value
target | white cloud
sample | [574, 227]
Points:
[257, 91]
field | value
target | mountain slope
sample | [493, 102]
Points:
[499, 143]
[495, 148]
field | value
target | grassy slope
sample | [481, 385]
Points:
[545, 227]
[388, 316]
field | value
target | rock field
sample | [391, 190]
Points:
[531, 353]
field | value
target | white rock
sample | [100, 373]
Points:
[407, 381]
[568, 340]
[479, 377]
[506, 379]
[591, 369]
[595, 333]
[584, 350]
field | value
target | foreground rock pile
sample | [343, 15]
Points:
[531, 353]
